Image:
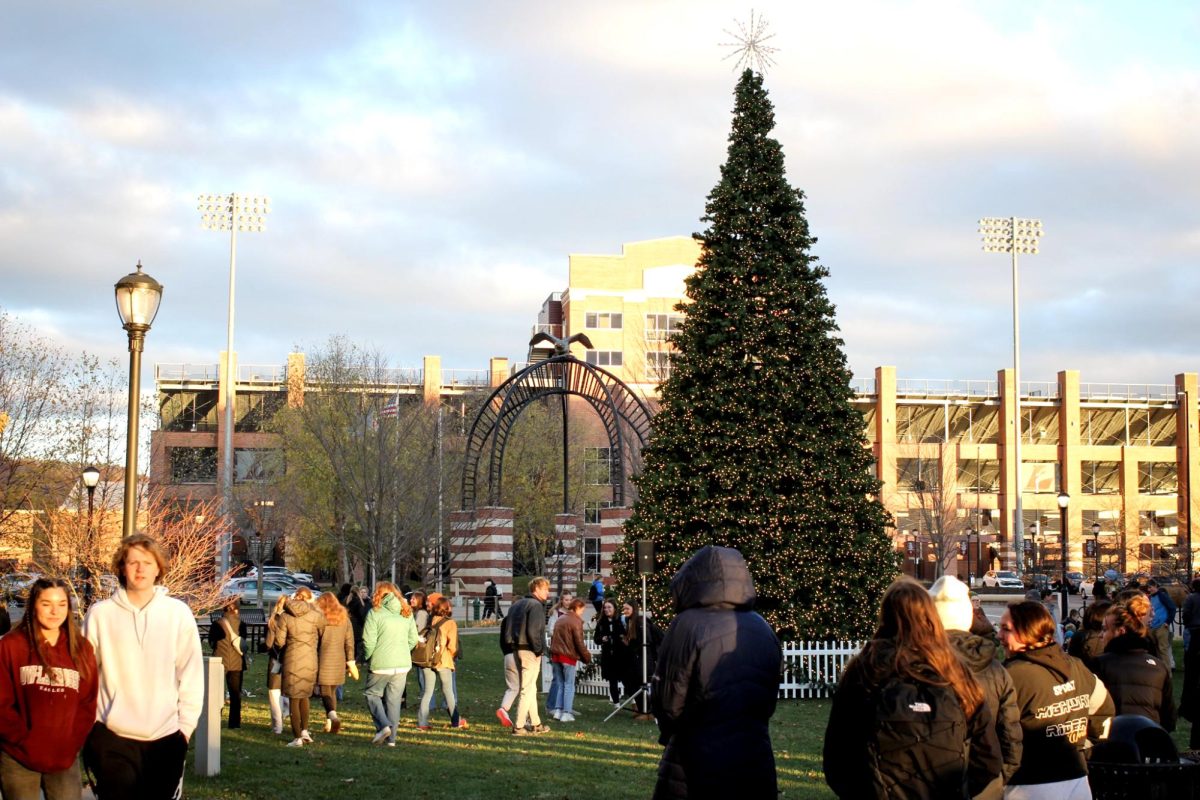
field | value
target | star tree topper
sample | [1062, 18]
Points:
[750, 46]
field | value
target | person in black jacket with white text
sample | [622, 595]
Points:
[716, 684]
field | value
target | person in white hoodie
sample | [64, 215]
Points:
[151, 680]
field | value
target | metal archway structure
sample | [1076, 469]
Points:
[624, 416]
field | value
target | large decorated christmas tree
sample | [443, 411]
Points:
[757, 445]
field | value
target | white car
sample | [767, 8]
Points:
[1002, 579]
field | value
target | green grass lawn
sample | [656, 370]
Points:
[589, 758]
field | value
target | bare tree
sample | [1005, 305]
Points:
[188, 530]
[935, 502]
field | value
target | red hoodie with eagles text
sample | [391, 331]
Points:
[45, 714]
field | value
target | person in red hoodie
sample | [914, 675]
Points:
[48, 685]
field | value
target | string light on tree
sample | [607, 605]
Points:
[750, 45]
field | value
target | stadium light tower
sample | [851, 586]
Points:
[233, 213]
[1018, 237]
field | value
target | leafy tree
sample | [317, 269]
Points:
[757, 445]
[362, 469]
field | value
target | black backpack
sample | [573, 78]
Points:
[426, 652]
[920, 740]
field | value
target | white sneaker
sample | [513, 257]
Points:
[306, 736]
[566, 718]
[277, 729]
[382, 735]
[556, 714]
[296, 743]
[328, 724]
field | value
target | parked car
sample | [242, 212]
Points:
[247, 589]
[1073, 581]
[1002, 579]
[1037, 580]
[15, 585]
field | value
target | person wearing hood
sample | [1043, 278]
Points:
[952, 599]
[1139, 682]
[1058, 697]
[151, 671]
[299, 636]
[389, 635]
[716, 684]
[908, 717]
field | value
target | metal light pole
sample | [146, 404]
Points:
[1015, 236]
[1187, 474]
[233, 213]
[91, 477]
[1064, 500]
[1096, 549]
[138, 296]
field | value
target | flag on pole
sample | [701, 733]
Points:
[392, 407]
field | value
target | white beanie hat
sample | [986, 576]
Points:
[953, 602]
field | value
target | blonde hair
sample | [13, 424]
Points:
[144, 543]
[303, 593]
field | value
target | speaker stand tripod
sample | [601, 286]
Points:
[644, 690]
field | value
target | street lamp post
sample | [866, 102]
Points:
[1064, 500]
[1096, 549]
[1015, 236]
[1187, 475]
[233, 213]
[138, 296]
[91, 477]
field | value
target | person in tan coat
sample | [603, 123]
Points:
[567, 649]
[335, 656]
[442, 670]
[299, 634]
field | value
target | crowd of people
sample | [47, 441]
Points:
[931, 708]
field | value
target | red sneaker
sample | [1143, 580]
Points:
[502, 715]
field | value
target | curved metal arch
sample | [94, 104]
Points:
[623, 414]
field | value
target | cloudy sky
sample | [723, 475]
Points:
[431, 166]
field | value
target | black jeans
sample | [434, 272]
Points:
[299, 715]
[126, 768]
[233, 682]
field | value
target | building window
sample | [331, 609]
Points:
[193, 464]
[1156, 477]
[597, 466]
[660, 326]
[602, 319]
[1100, 477]
[918, 474]
[254, 465]
[604, 358]
[658, 366]
[591, 554]
[591, 510]
[979, 475]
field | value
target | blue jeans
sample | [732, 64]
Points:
[562, 688]
[432, 678]
[383, 694]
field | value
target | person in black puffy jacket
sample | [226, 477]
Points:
[716, 684]
[952, 599]
[909, 719]
[1139, 682]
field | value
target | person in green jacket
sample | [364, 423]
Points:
[389, 635]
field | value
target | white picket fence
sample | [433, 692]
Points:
[810, 669]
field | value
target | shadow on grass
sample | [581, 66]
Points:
[588, 758]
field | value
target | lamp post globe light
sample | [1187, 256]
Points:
[90, 477]
[1064, 500]
[1015, 236]
[138, 296]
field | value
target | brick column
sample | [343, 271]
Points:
[567, 530]
[481, 544]
[612, 534]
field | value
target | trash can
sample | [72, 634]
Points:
[1139, 759]
[475, 605]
